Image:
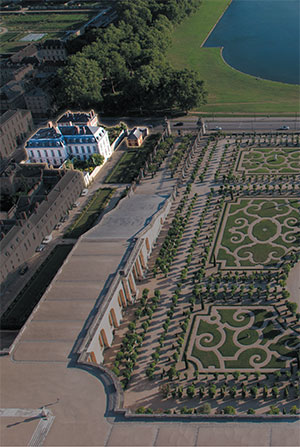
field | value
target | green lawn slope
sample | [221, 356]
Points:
[229, 91]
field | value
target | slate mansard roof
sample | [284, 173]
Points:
[79, 118]
[60, 136]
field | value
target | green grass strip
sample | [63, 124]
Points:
[88, 216]
[32, 22]
[129, 165]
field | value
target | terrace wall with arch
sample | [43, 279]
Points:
[123, 289]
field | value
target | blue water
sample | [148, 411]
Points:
[261, 38]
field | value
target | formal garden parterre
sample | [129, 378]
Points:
[269, 160]
[214, 330]
[244, 338]
[258, 233]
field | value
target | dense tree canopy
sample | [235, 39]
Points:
[123, 67]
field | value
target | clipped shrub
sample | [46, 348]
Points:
[273, 410]
[229, 410]
[204, 409]
[190, 391]
[116, 371]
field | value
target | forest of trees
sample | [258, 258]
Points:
[124, 68]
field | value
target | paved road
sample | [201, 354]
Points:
[258, 124]
[261, 124]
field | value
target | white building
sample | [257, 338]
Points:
[47, 146]
[56, 143]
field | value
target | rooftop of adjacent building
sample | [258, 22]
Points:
[11, 89]
[42, 184]
[36, 92]
[52, 44]
[137, 132]
[80, 130]
[6, 115]
[46, 133]
[76, 117]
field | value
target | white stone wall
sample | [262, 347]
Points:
[104, 324]
[150, 233]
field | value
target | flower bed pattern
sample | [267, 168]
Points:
[257, 233]
[269, 160]
[245, 338]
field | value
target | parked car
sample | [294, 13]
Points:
[284, 128]
[180, 123]
[23, 269]
[47, 239]
[84, 192]
[218, 128]
[57, 226]
[40, 247]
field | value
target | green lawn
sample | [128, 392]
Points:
[207, 358]
[20, 309]
[127, 168]
[54, 25]
[230, 91]
[88, 216]
[33, 22]
[129, 165]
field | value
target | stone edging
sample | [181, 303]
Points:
[116, 400]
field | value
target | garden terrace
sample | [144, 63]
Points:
[228, 338]
[252, 157]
